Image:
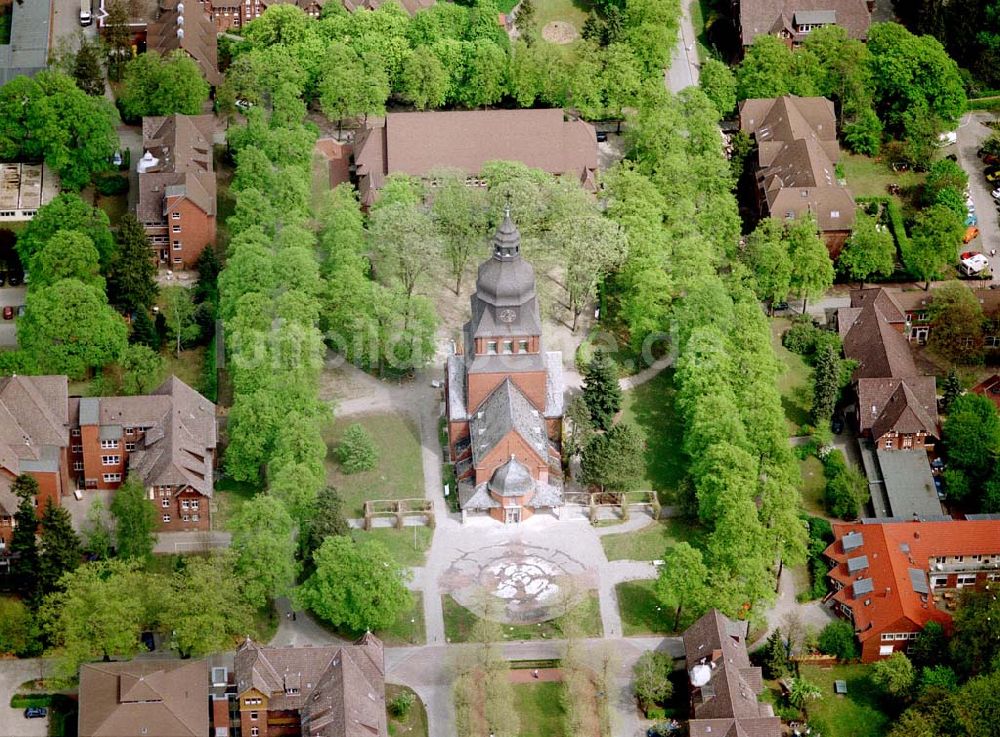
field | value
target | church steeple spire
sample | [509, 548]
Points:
[507, 239]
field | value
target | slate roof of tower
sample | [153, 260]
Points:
[512, 479]
[506, 409]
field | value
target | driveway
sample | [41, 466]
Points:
[12, 722]
[684, 66]
[12, 296]
[971, 133]
[66, 21]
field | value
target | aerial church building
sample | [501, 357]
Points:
[504, 394]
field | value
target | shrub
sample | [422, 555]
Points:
[357, 451]
[800, 337]
[111, 184]
[401, 704]
[656, 713]
[837, 639]
[652, 678]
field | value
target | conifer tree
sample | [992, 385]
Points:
[132, 273]
[87, 70]
[144, 331]
[60, 547]
[601, 392]
[23, 545]
[952, 389]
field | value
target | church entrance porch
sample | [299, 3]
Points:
[511, 515]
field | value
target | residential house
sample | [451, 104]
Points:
[724, 686]
[144, 698]
[915, 306]
[334, 691]
[24, 188]
[892, 578]
[188, 28]
[796, 156]
[793, 20]
[896, 405]
[34, 440]
[234, 14]
[74, 444]
[177, 188]
[419, 143]
[989, 388]
[166, 25]
[504, 394]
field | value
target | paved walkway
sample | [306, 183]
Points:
[684, 66]
[812, 614]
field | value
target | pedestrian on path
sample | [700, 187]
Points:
[534, 673]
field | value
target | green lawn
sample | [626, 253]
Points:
[857, 714]
[651, 541]
[571, 11]
[650, 407]
[868, 177]
[459, 622]
[187, 368]
[795, 382]
[641, 613]
[415, 722]
[408, 546]
[399, 473]
[540, 709]
[813, 485]
[114, 205]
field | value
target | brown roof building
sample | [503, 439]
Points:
[418, 143]
[34, 440]
[144, 698]
[186, 27]
[724, 685]
[797, 152]
[890, 578]
[897, 406]
[793, 20]
[410, 6]
[334, 691]
[69, 443]
[177, 188]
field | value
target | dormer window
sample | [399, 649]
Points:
[491, 347]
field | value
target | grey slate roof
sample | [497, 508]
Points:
[511, 479]
[504, 410]
[182, 145]
[909, 484]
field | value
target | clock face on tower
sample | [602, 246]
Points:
[507, 315]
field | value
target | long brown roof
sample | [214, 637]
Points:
[186, 27]
[797, 152]
[182, 147]
[339, 691]
[767, 17]
[727, 703]
[144, 698]
[410, 6]
[417, 143]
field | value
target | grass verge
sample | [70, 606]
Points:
[795, 382]
[414, 724]
[407, 546]
[459, 622]
[651, 541]
[540, 708]
[640, 611]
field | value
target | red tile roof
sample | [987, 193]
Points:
[893, 550]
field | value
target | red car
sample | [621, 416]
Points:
[8, 313]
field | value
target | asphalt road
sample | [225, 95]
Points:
[971, 133]
[66, 21]
[683, 71]
[12, 296]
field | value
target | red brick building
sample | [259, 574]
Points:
[892, 578]
[177, 188]
[504, 394]
[68, 443]
[336, 691]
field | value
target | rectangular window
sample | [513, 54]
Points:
[166, 518]
[886, 636]
[77, 465]
[110, 478]
[129, 446]
[254, 731]
[110, 460]
[253, 716]
[491, 347]
[885, 650]
[194, 504]
[176, 229]
[522, 346]
[977, 558]
[178, 260]
[966, 581]
[175, 215]
[184, 504]
[165, 503]
[186, 518]
[130, 431]
[508, 347]
[888, 442]
[194, 517]
[109, 444]
[939, 581]
[77, 448]
[164, 491]
[959, 558]
[75, 432]
[177, 245]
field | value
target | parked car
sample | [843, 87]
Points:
[601, 136]
[971, 233]
[117, 159]
[3, 278]
[939, 488]
[13, 278]
[8, 313]
[36, 712]
[837, 425]
[21, 309]
[148, 641]
[995, 194]
[971, 219]
[988, 158]
[948, 138]
[779, 306]
[992, 175]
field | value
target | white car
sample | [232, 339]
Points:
[949, 138]
[996, 193]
